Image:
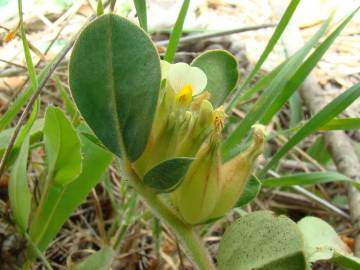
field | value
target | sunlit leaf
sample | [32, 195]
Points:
[323, 243]
[62, 146]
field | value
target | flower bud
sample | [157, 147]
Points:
[236, 173]
[197, 101]
[205, 118]
[191, 142]
[164, 109]
[186, 125]
[197, 195]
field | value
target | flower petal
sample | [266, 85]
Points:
[178, 76]
[197, 79]
[181, 74]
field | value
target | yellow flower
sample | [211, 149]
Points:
[186, 81]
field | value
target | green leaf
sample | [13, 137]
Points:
[323, 243]
[301, 74]
[275, 88]
[176, 32]
[99, 8]
[62, 146]
[295, 109]
[261, 83]
[251, 190]
[347, 261]
[262, 241]
[59, 202]
[268, 49]
[311, 178]
[115, 79]
[19, 193]
[167, 175]
[101, 260]
[331, 110]
[140, 6]
[29, 62]
[222, 71]
[342, 124]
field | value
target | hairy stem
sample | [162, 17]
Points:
[183, 231]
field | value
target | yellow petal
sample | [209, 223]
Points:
[184, 97]
[182, 74]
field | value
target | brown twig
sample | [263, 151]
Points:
[99, 217]
[178, 248]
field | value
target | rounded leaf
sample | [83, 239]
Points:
[262, 241]
[323, 243]
[167, 175]
[252, 189]
[115, 80]
[222, 72]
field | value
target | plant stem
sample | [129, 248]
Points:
[184, 232]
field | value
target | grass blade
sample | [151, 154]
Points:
[295, 110]
[342, 124]
[176, 32]
[269, 47]
[140, 6]
[29, 62]
[261, 84]
[304, 179]
[276, 85]
[99, 8]
[330, 111]
[294, 83]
